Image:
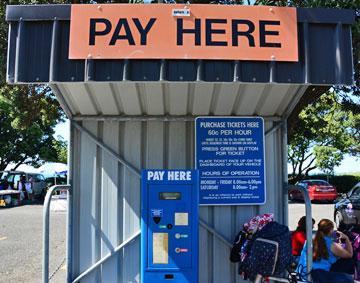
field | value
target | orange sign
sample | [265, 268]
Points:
[164, 31]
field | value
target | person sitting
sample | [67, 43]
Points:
[326, 253]
[298, 237]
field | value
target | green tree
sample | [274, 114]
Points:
[327, 157]
[61, 150]
[28, 114]
[326, 132]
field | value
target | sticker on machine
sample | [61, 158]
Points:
[181, 219]
[157, 212]
[160, 248]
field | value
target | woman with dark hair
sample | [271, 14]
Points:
[326, 252]
[298, 237]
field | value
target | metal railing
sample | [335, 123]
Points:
[309, 245]
[309, 225]
[46, 228]
[108, 256]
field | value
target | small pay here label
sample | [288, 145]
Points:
[169, 175]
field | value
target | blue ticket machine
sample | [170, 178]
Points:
[169, 226]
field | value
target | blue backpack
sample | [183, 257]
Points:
[269, 252]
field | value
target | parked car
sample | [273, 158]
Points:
[319, 190]
[347, 209]
[39, 184]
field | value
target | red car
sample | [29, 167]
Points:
[319, 190]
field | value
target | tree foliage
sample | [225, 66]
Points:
[28, 114]
[326, 133]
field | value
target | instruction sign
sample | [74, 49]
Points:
[230, 158]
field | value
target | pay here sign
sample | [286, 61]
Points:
[230, 156]
[163, 31]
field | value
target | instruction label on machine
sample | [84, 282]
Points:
[160, 248]
[230, 158]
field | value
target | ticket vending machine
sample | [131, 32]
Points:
[169, 226]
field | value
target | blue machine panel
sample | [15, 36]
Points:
[230, 157]
[169, 226]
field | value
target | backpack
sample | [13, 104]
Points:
[269, 252]
[239, 248]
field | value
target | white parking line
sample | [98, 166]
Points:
[3, 238]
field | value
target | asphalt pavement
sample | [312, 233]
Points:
[21, 240]
[21, 244]
[319, 211]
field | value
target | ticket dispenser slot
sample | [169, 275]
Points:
[169, 226]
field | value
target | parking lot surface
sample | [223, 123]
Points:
[21, 240]
[319, 211]
[21, 244]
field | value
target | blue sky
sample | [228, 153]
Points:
[349, 164]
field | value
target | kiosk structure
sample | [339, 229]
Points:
[133, 78]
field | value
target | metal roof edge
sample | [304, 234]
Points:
[38, 12]
[326, 15]
[63, 12]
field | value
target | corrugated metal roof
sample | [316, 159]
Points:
[39, 39]
[177, 98]
[38, 52]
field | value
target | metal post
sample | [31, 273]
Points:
[309, 250]
[46, 209]
[284, 172]
[45, 278]
[69, 219]
[309, 242]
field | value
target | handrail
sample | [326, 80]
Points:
[309, 245]
[215, 233]
[109, 255]
[46, 214]
[309, 225]
[106, 148]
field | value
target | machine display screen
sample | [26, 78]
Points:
[170, 196]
